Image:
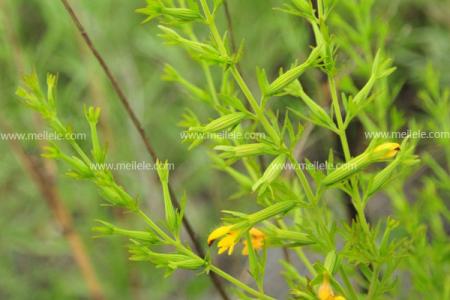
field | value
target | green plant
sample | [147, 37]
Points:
[355, 261]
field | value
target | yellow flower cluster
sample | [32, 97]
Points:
[229, 238]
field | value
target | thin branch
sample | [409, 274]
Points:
[126, 104]
[230, 25]
[44, 182]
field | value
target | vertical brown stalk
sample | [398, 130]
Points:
[230, 25]
[137, 124]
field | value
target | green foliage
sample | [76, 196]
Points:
[253, 129]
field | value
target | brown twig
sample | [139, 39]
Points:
[137, 124]
[44, 182]
[230, 25]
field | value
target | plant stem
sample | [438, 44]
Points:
[348, 284]
[206, 71]
[155, 227]
[255, 106]
[239, 283]
[209, 80]
[340, 123]
[238, 77]
[301, 255]
[373, 284]
[357, 202]
[137, 124]
[303, 180]
[179, 246]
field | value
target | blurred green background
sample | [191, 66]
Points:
[36, 261]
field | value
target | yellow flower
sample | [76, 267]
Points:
[217, 233]
[257, 238]
[229, 238]
[326, 292]
[387, 150]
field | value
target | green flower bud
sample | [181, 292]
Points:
[78, 166]
[287, 78]
[51, 84]
[163, 173]
[221, 123]
[288, 238]
[156, 9]
[92, 114]
[110, 229]
[187, 263]
[245, 150]
[346, 170]
[381, 178]
[270, 211]
[115, 195]
[331, 262]
[272, 171]
[182, 14]
[385, 151]
[380, 153]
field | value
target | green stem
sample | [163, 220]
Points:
[179, 246]
[81, 153]
[237, 76]
[59, 127]
[303, 181]
[239, 283]
[255, 106]
[213, 28]
[301, 255]
[319, 9]
[155, 227]
[357, 202]
[210, 82]
[373, 284]
[207, 72]
[348, 284]
[340, 123]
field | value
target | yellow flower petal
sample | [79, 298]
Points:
[325, 290]
[228, 242]
[217, 233]
[255, 233]
[257, 238]
[245, 249]
[388, 150]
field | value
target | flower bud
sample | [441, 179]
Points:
[385, 151]
[380, 153]
[272, 171]
[221, 123]
[245, 150]
[287, 78]
[346, 170]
